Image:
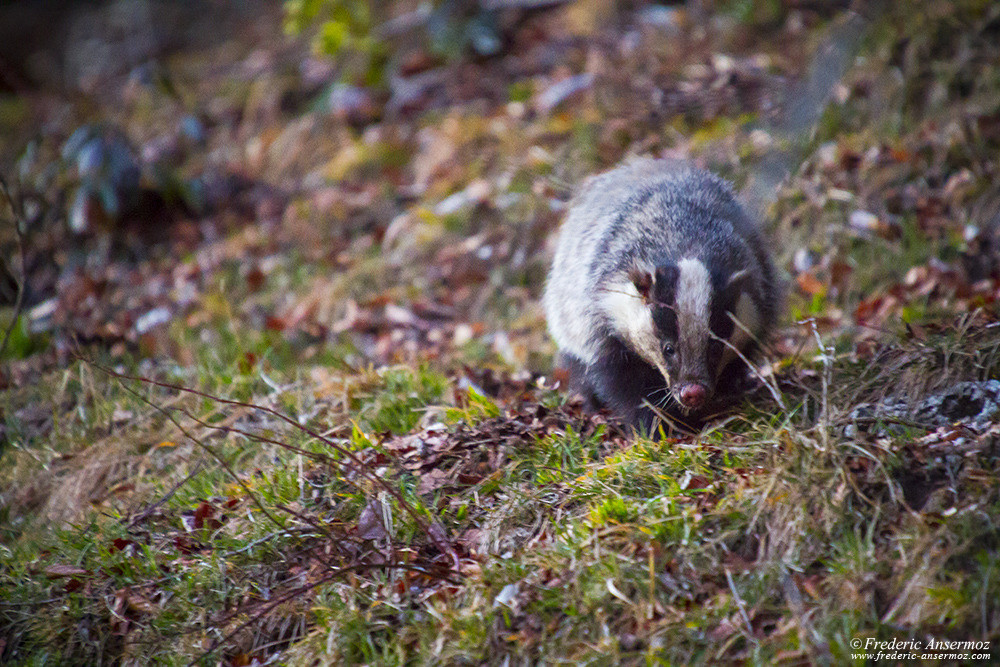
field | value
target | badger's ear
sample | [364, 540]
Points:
[667, 276]
[643, 281]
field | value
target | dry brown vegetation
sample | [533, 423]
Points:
[348, 446]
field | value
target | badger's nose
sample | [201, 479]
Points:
[693, 395]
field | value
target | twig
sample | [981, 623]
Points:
[741, 606]
[322, 458]
[881, 466]
[770, 383]
[255, 500]
[520, 4]
[256, 437]
[304, 589]
[671, 421]
[433, 531]
[814, 644]
[19, 235]
[886, 420]
[824, 415]
[152, 508]
[260, 540]
[763, 499]
[315, 525]
[225, 464]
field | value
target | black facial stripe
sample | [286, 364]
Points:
[665, 284]
[665, 321]
[723, 325]
[713, 353]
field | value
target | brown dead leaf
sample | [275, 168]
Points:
[916, 331]
[58, 571]
[255, 279]
[695, 482]
[120, 544]
[839, 273]
[809, 284]
[203, 515]
[810, 584]
[432, 481]
[723, 631]
[141, 605]
[184, 545]
[370, 524]
[873, 311]
[275, 323]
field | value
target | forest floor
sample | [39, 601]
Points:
[279, 389]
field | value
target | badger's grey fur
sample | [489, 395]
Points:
[656, 266]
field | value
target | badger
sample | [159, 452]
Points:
[659, 277]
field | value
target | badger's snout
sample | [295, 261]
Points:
[692, 395]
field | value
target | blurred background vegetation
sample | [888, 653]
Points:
[341, 211]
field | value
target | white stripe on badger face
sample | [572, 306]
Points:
[694, 293]
[747, 320]
[633, 320]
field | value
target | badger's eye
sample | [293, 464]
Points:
[668, 350]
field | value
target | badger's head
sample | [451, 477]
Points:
[687, 315]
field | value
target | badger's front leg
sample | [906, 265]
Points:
[622, 381]
[579, 380]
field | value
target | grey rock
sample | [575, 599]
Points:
[973, 405]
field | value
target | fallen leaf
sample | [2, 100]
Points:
[204, 513]
[58, 571]
[810, 284]
[506, 596]
[610, 585]
[370, 524]
[431, 481]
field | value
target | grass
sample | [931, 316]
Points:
[684, 552]
[450, 505]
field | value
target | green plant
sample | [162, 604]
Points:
[359, 35]
[345, 29]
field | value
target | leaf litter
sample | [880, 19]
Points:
[410, 229]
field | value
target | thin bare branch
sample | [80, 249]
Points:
[215, 455]
[167, 496]
[329, 576]
[434, 532]
[770, 383]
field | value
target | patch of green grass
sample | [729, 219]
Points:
[397, 402]
[562, 458]
[475, 408]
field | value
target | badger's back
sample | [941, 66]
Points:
[647, 212]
